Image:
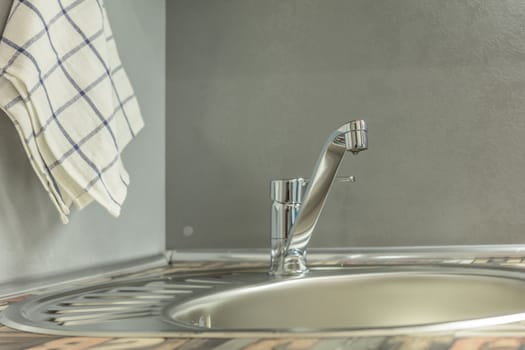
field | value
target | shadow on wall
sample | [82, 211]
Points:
[25, 208]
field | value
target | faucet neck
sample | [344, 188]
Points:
[348, 137]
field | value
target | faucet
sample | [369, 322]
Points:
[298, 203]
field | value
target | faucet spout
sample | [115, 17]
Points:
[351, 137]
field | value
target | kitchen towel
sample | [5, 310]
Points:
[63, 86]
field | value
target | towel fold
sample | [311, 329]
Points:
[63, 86]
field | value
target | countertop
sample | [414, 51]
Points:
[506, 338]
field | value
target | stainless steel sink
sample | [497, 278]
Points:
[349, 301]
[424, 299]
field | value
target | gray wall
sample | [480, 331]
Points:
[254, 87]
[33, 242]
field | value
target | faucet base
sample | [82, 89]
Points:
[293, 263]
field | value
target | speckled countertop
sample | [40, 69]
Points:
[502, 338]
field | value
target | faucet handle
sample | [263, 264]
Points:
[350, 178]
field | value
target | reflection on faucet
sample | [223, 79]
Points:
[297, 203]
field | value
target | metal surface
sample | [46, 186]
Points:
[295, 216]
[359, 255]
[28, 285]
[362, 300]
[287, 196]
[291, 191]
[374, 299]
[123, 308]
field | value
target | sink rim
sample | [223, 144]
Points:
[362, 272]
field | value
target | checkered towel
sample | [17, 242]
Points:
[63, 86]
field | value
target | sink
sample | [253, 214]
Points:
[358, 300]
[424, 299]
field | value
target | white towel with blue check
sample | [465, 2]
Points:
[63, 86]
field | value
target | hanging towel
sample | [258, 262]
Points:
[63, 86]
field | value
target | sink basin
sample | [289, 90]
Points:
[385, 298]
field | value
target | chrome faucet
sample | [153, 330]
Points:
[297, 203]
